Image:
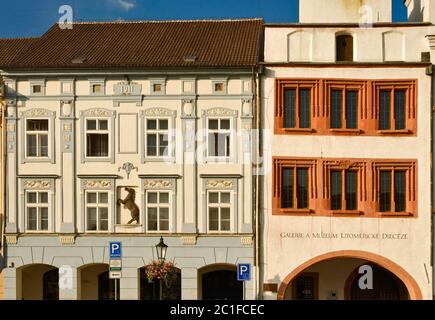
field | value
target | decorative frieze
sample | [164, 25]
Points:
[157, 184]
[219, 184]
[97, 184]
[37, 184]
[158, 112]
[189, 240]
[97, 113]
[37, 112]
[219, 112]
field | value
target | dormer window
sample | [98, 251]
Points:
[37, 89]
[97, 88]
[157, 87]
[344, 48]
[219, 86]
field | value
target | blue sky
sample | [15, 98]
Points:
[24, 18]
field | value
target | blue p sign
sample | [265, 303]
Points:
[115, 249]
[243, 272]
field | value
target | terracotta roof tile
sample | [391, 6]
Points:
[11, 48]
[146, 44]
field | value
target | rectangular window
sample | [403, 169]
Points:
[297, 108]
[36, 89]
[344, 114]
[392, 196]
[158, 208]
[291, 196]
[219, 138]
[97, 211]
[97, 88]
[97, 138]
[219, 211]
[392, 116]
[400, 191]
[37, 138]
[385, 191]
[37, 210]
[343, 193]
[157, 137]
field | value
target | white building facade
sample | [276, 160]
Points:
[100, 152]
[348, 103]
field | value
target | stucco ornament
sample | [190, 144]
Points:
[157, 184]
[37, 184]
[127, 167]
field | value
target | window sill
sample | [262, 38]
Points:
[297, 130]
[292, 211]
[393, 132]
[347, 212]
[346, 131]
[395, 214]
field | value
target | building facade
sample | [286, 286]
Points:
[128, 139]
[347, 99]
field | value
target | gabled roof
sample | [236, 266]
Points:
[144, 44]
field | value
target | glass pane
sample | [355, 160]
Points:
[212, 144]
[225, 124]
[151, 124]
[304, 108]
[164, 213]
[302, 191]
[163, 144]
[104, 225]
[336, 109]
[213, 225]
[225, 225]
[289, 108]
[152, 197]
[91, 197]
[91, 124]
[32, 219]
[44, 218]
[400, 191]
[213, 197]
[336, 190]
[103, 197]
[104, 213]
[214, 219]
[351, 190]
[287, 188]
[43, 145]
[43, 197]
[164, 225]
[399, 109]
[213, 124]
[351, 109]
[31, 145]
[163, 124]
[164, 197]
[92, 218]
[31, 197]
[37, 125]
[152, 218]
[151, 145]
[225, 213]
[385, 192]
[102, 124]
[223, 144]
[152, 225]
[384, 110]
[98, 145]
[225, 197]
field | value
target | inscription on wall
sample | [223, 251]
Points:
[344, 235]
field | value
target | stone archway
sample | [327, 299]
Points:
[37, 282]
[409, 282]
[219, 282]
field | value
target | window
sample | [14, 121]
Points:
[297, 104]
[219, 87]
[219, 211]
[157, 87]
[392, 109]
[219, 137]
[344, 191]
[392, 197]
[344, 109]
[157, 137]
[37, 210]
[97, 138]
[158, 211]
[97, 211]
[36, 89]
[295, 188]
[344, 48]
[97, 88]
[37, 137]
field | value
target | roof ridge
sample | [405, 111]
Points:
[166, 21]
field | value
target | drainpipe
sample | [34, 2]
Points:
[3, 174]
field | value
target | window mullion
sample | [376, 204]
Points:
[343, 109]
[392, 111]
[295, 188]
[393, 190]
[343, 190]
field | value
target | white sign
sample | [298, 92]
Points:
[115, 264]
[115, 274]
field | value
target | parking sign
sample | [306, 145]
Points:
[243, 271]
[115, 249]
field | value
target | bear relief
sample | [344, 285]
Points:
[129, 203]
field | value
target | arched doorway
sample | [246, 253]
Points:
[38, 282]
[94, 283]
[219, 282]
[151, 291]
[386, 286]
[335, 268]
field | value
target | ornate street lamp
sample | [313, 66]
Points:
[161, 249]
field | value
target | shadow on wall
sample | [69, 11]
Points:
[417, 12]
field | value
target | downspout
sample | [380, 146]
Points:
[3, 174]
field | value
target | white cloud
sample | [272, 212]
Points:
[125, 5]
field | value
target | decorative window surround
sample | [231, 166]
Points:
[160, 183]
[158, 113]
[101, 82]
[37, 184]
[98, 114]
[223, 184]
[223, 82]
[98, 183]
[38, 114]
[220, 113]
[158, 82]
[34, 83]
[64, 83]
[367, 106]
[368, 172]
[185, 83]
